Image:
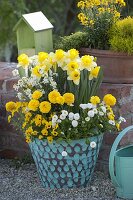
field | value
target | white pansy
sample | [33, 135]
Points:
[64, 153]
[54, 118]
[103, 109]
[83, 106]
[93, 144]
[53, 124]
[87, 119]
[64, 112]
[15, 72]
[95, 111]
[74, 123]
[112, 122]
[71, 116]
[62, 117]
[76, 116]
[89, 105]
[122, 119]
[91, 113]
[59, 121]
[101, 113]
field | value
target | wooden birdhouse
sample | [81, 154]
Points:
[34, 34]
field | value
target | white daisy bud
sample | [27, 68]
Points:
[93, 144]
[74, 123]
[112, 122]
[87, 119]
[62, 117]
[91, 113]
[103, 109]
[76, 116]
[101, 113]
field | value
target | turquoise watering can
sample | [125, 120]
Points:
[121, 167]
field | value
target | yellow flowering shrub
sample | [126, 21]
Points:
[57, 98]
[98, 16]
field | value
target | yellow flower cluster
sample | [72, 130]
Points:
[109, 100]
[90, 9]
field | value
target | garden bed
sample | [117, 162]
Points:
[23, 183]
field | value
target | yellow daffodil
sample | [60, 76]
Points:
[23, 60]
[73, 54]
[42, 56]
[36, 72]
[94, 73]
[74, 76]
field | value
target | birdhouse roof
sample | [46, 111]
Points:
[37, 21]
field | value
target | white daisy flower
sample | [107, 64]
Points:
[64, 153]
[93, 144]
[76, 116]
[101, 113]
[87, 119]
[112, 122]
[91, 113]
[74, 123]
[15, 72]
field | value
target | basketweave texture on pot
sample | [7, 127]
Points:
[75, 169]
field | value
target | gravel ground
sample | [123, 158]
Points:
[23, 184]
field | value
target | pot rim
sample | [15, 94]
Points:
[106, 52]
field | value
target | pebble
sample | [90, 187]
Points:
[24, 184]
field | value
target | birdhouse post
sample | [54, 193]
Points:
[34, 34]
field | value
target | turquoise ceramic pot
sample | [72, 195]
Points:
[65, 165]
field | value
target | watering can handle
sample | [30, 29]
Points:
[112, 154]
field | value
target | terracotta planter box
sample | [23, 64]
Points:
[118, 67]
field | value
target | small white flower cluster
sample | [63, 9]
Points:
[64, 114]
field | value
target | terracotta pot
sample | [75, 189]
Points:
[118, 67]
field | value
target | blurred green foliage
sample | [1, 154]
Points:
[61, 13]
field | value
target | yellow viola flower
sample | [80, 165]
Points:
[11, 106]
[34, 133]
[73, 54]
[59, 54]
[48, 125]
[71, 66]
[111, 116]
[24, 125]
[33, 105]
[37, 94]
[40, 137]
[95, 100]
[23, 60]
[54, 133]
[29, 131]
[9, 118]
[118, 126]
[60, 100]
[35, 71]
[42, 56]
[44, 132]
[74, 76]
[94, 73]
[52, 96]
[109, 100]
[28, 139]
[45, 107]
[69, 98]
[50, 139]
[81, 4]
[28, 116]
[44, 121]
[38, 120]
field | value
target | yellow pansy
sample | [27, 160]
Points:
[95, 100]
[50, 139]
[69, 98]
[42, 56]
[109, 100]
[52, 96]
[45, 107]
[9, 118]
[11, 106]
[37, 94]
[27, 116]
[28, 139]
[23, 60]
[118, 126]
[60, 100]
[29, 131]
[33, 105]
[54, 133]
[38, 120]
[48, 125]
